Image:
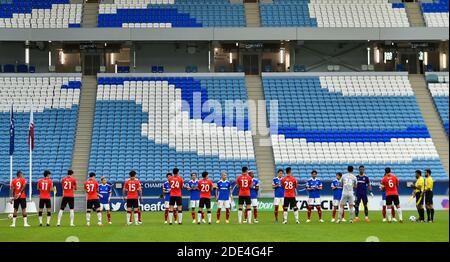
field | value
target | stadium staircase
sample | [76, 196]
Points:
[263, 149]
[431, 117]
[90, 15]
[414, 14]
[82, 148]
[252, 15]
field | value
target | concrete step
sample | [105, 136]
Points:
[414, 14]
[252, 15]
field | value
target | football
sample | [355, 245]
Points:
[412, 218]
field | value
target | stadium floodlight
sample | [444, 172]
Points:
[282, 55]
[444, 60]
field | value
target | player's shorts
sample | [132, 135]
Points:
[314, 202]
[419, 198]
[194, 203]
[68, 201]
[362, 198]
[175, 200]
[290, 202]
[132, 203]
[392, 200]
[205, 203]
[105, 207]
[336, 202]
[93, 204]
[350, 198]
[223, 204]
[244, 200]
[22, 202]
[278, 201]
[45, 203]
[429, 197]
[254, 202]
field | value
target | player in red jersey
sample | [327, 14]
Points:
[133, 189]
[19, 198]
[45, 187]
[176, 183]
[244, 183]
[290, 185]
[69, 185]
[205, 186]
[390, 185]
[93, 202]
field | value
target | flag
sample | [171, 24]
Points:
[31, 131]
[11, 132]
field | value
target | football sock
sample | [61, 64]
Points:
[99, 217]
[296, 214]
[166, 214]
[193, 214]
[218, 214]
[199, 216]
[88, 217]
[209, 216]
[170, 216]
[128, 216]
[428, 214]
[276, 213]
[203, 215]
[249, 215]
[352, 214]
[109, 216]
[175, 214]
[422, 214]
[246, 215]
[384, 211]
[240, 215]
[60, 214]
[341, 213]
[432, 214]
[309, 212]
[25, 220]
[228, 214]
[139, 215]
[136, 217]
[319, 210]
[400, 214]
[389, 216]
[393, 211]
[72, 216]
[366, 210]
[334, 213]
[49, 216]
[255, 213]
[40, 218]
[285, 214]
[357, 209]
[180, 217]
[14, 220]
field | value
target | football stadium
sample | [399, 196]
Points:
[195, 120]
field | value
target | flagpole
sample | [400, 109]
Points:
[10, 169]
[30, 186]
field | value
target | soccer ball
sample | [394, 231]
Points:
[10, 216]
[412, 218]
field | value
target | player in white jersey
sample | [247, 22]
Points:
[349, 183]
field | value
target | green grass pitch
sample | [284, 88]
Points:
[153, 230]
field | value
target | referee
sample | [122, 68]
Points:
[419, 194]
[429, 195]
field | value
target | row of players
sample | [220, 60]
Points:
[285, 193]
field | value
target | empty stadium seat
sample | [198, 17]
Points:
[333, 13]
[55, 101]
[140, 123]
[440, 91]
[329, 122]
[436, 13]
[171, 13]
[39, 14]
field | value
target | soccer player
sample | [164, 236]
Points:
[244, 183]
[206, 186]
[176, 183]
[384, 210]
[105, 191]
[277, 186]
[133, 189]
[429, 195]
[336, 186]
[348, 186]
[45, 187]
[254, 195]
[93, 202]
[69, 185]
[195, 196]
[166, 192]
[418, 193]
[363, 184]
[19, 197]
[223, 195]
[290, 186]
[390, 185]
[314, 185]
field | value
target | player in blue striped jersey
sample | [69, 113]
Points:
[194, 196]
[314, 185]
[254, 196]
[223, 196]
[278, 199]
[105, 191]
